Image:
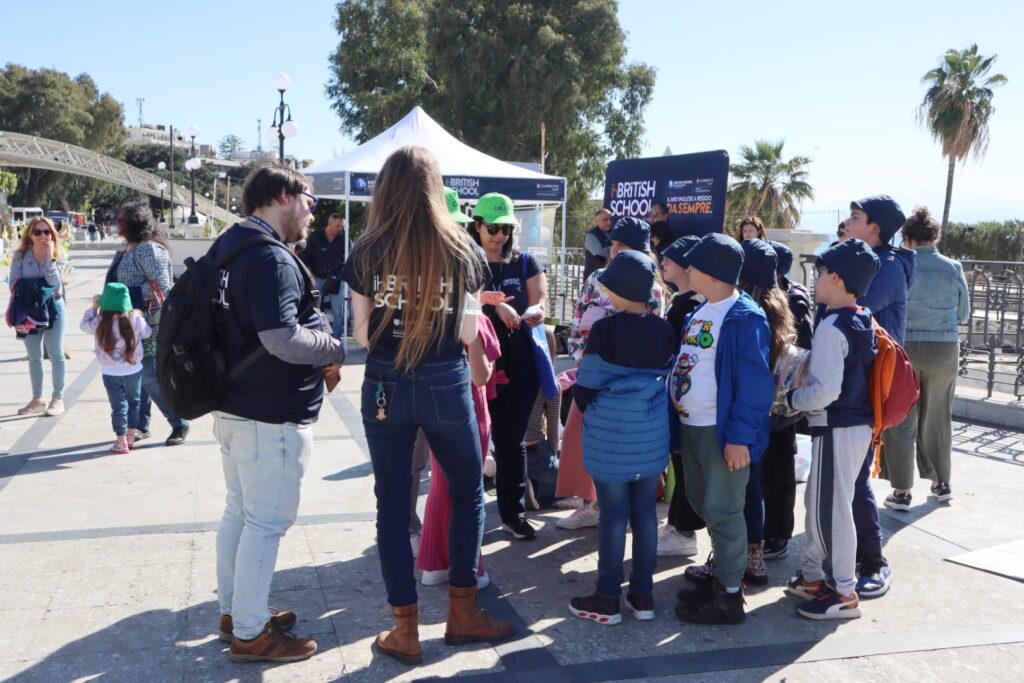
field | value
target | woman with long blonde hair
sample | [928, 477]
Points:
[413, 274]
[41, 258]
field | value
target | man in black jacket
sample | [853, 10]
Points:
[324, 254]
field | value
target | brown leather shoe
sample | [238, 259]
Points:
[403, 641]
[283, 621]
[469, 624]
[272, 645]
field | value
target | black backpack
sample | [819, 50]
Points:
[190, 363]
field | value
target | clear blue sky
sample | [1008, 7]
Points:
[839, 82]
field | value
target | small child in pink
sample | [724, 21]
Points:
[433, 551]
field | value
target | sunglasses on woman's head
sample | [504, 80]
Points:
[504, 229]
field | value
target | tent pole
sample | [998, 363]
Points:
[565, 266]
[344, 291]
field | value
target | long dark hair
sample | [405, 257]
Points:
[780, 320]
[105, 333]
[508, 250]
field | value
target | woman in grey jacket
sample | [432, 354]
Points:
[937, 301]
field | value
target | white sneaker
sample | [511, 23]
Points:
[55, 408]
[588, 515]
[671, 543]
[434, 577]
[570, 503]
[483, 581]
[414, 541]
[490, 466]
[36, 405]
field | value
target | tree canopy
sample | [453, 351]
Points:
[769, 186]
[491, 73]
[52, 104]
[957, 107]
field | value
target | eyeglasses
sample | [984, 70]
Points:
[43, 231]
[315, 199]
[504, 229]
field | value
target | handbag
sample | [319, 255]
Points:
[332, 284]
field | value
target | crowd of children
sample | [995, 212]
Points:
[702, 397]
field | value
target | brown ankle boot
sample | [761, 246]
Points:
[403, 641]
[469, 624]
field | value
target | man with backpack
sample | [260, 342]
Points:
[270, 328]
[875, 220]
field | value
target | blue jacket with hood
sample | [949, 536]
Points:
[746, 386]
[625, 435]
[887, 295]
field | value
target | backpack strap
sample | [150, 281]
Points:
[307, 280]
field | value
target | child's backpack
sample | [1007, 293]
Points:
[190, 362]
[894, 388]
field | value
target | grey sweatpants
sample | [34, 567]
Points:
[838, 454]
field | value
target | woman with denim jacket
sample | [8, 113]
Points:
[937, 302]
[413, 274]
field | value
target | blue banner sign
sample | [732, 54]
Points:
[691, 186]
[470, 188]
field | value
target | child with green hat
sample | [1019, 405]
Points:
[119, 330]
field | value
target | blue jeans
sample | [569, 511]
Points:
[634, 501]
[435, 397]
[542, 469]
[151, 392]
[53, 337]
[124, 392]
[335, 301]
[263, 467]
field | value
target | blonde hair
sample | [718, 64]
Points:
[26, 237]
[410, 238]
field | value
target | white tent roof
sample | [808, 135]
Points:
[416, 128]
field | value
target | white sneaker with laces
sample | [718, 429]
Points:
[434, 577]
[588, 515]
[672, 543]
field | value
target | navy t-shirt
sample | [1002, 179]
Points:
[507, 277]
[263, 289]
[382, 291]
[629, 340]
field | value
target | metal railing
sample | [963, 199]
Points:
[992, 340]
[564, 284]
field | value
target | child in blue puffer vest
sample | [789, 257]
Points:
[620, 388]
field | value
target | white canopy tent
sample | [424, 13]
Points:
[469, 171]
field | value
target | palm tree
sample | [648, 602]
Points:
[957, 107]
[768, 186]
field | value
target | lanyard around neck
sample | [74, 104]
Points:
[263, 224]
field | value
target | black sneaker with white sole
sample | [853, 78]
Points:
[898, 501]
[775, 548]
[521, 530]
[941, 492]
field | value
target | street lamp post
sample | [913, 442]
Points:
[192, 164]
[163, 186]
[281, 127]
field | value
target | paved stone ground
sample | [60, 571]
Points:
[107, 567]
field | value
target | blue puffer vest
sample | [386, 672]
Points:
[625, 433]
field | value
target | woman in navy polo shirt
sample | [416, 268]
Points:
[518, 275]
[413, 274]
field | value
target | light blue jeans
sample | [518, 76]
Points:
[54, 340]
[263, 468]
[335, 302]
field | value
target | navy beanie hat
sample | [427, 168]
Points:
[783, 256]
[677, 250]
[855, 262]
[719, 256]
[633, 232]
[759, 263]
[630, 275]
[883, 210]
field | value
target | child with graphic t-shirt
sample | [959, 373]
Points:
[620, 388]
[838, 403]
[722, 389]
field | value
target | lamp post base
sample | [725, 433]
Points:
[193, 220]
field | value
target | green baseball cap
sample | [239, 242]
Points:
[115, 298]
[451, 198]
[496, 209]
